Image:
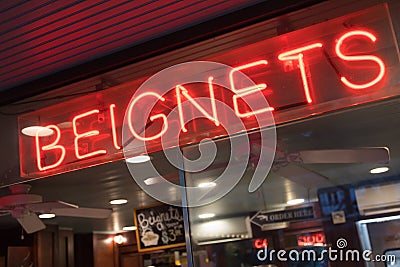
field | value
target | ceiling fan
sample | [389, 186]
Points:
[292, 164]
[24, 208]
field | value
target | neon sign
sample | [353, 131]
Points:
[298, 55]
[51, 146]
[260, 243]
[311, 239]
[317, 69]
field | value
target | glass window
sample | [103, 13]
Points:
[324, 181]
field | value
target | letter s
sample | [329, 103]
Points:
[375, 59]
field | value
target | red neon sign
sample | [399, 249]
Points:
[87, 134]
[53, 146]
[298, 74]
[113, 127]
[298, 54]
[260, 243]
[180, 90]
[377, 60]
[311, 239]
[152, 118]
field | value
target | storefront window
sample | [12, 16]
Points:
[310, 178]
[307, 204]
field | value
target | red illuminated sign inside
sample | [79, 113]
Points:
[317, 69]
[311, 239]
[260, 243]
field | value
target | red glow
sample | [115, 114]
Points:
[242, 92]
[51, 146]
[152, 118]
[113, 127]
[250, 113]
[298, 82]
[311, 239]
[297, 54]
[256, 87]
[85, 135]
[376, 59]
[260, 243]
[182, 90]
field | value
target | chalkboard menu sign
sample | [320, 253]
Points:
[159, 227]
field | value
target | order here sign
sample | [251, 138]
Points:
[317, 69]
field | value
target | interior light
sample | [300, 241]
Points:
[207, 184]
[379, 170]
[295, 201]
[118, 201]
[218, 241]
[47, 215]
[177, 258]
[138, 159]
[129, 228]
[206, 215]
[153, 180]
[32, 130]
[119, 239]
[379, 220]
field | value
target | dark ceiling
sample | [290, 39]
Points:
[48, 44]
[38, 38]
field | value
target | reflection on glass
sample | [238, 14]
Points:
[339, 194]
